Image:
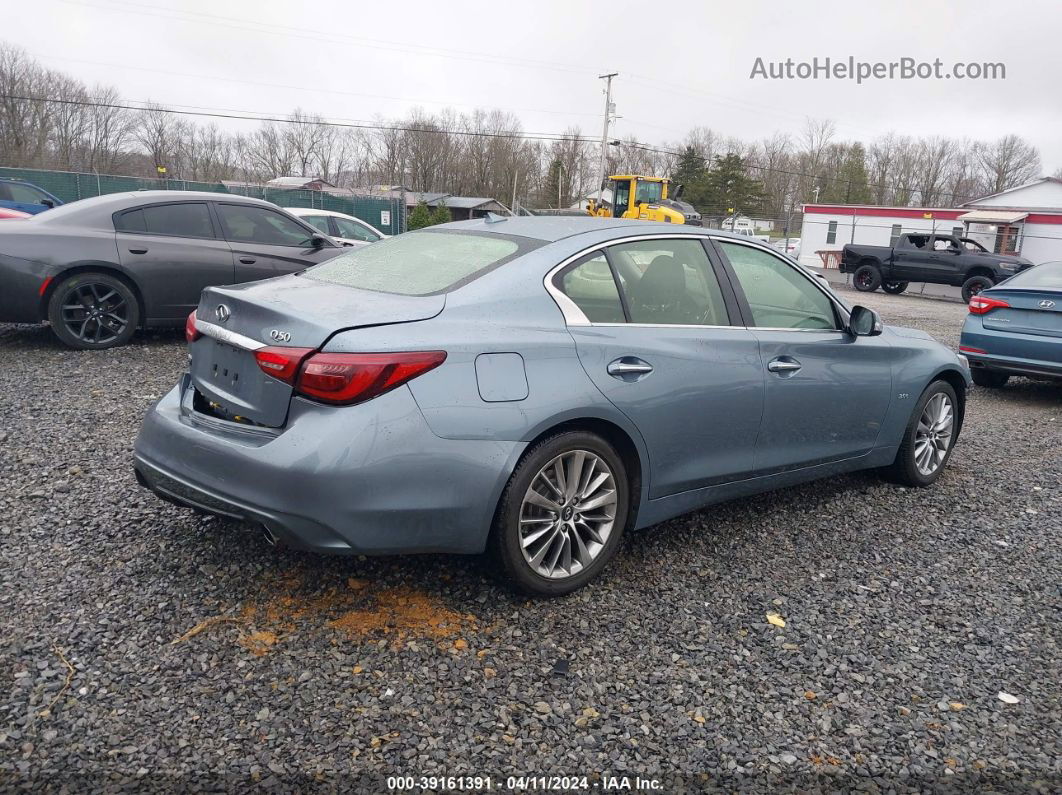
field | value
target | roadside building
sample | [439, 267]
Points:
[1026, 220]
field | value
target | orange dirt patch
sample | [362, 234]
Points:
[404, 613]
[258, 643]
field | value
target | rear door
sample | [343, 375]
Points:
[826, 391]
[267, 243]
[910, 257]
[663, 349]
[173, 250]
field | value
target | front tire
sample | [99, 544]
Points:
[562, 514]
[894, 288]
[989, 378]
[867, 278]
[975, 285]
[929, 437]
[93, 311]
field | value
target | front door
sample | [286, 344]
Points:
[826, 391]
[266, 243]
[662, 349]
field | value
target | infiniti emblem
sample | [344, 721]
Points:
[1046, 304]
[222, 313]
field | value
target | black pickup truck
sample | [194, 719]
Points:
[937, 259]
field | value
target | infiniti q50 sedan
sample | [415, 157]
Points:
[536, 387]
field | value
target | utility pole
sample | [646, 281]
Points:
[604, 133]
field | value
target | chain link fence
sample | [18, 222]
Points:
[386, 214]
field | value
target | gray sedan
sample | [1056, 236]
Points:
[98, 268]
[536, 387]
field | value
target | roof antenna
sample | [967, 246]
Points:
[493, 218]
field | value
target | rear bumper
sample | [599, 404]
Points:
[1009, 352]
[368, 479]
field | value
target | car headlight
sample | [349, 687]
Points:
[1009, 266]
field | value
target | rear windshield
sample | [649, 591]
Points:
[421, 263]
[1041, 277]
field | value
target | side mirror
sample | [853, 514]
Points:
[48, 203]
[864, 322]
[317, 241]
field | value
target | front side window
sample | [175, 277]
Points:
[421, 263]
[778, 295]
[318, 222]
[649, 192]
[248, 224]
[352, 230]
[591, 286]
[26, 194]
[669, 282]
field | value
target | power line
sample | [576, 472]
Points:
[313, 121]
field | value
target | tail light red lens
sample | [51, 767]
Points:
[281, 363]
[191, 333]
[982, 304]
[347, 378]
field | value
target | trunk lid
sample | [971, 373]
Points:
[288, 312]
[1031, 312]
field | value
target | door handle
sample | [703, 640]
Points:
[783, 365]
[138, 251]
[248, 260]
[629, 365]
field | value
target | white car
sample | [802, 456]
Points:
[790, 246]
[344, 229]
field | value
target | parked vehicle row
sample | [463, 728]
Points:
[931, 258]
[99, 268]
[343, 228]
[536, 387]
[16, 194]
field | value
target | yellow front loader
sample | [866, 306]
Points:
[644, 198]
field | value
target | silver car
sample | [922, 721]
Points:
[536, 387]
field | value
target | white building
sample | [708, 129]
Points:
[1026, 220]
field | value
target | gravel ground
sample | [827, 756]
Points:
[145, 647]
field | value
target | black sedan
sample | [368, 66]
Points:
[99, 268]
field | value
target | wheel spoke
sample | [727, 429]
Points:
[574, 472]
[535, 535]
[535, 498]
[604, 498]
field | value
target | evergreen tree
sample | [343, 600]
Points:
[852, 180]
[419, 218]
[690, 168]
[441, 214]
[553, 188]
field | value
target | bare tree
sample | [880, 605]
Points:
[1007, 163]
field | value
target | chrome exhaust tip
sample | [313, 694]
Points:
[270, 536]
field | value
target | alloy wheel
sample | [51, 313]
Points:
[567, 514]
[95, 313]
[933, 435]
[864, 280]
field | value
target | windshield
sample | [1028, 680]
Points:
[1042, 277]
[423, 262]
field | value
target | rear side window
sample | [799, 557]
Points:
[591, 286]
[1041, 277]
[421, 263]
[179, 220]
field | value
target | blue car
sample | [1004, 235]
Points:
[536, 387]
[1015, 328]
[26, 197]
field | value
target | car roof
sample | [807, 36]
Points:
[300, 211]
[95, 208]
[557, 227]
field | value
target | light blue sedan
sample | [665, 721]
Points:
[536, 387]
[1015, 328]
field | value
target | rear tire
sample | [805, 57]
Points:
[990, 379]
[928, 439]
[867, 278]
[974, 285]
[93, 311]
[545, 541]
[894, 288]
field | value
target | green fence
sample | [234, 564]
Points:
[387, 215]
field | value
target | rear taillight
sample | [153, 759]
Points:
[346, 378]
[191, 333]
[281, 363]
[982, 304]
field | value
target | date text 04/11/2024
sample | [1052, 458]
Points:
[523, 783]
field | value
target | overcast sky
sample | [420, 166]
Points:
[680, 65]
